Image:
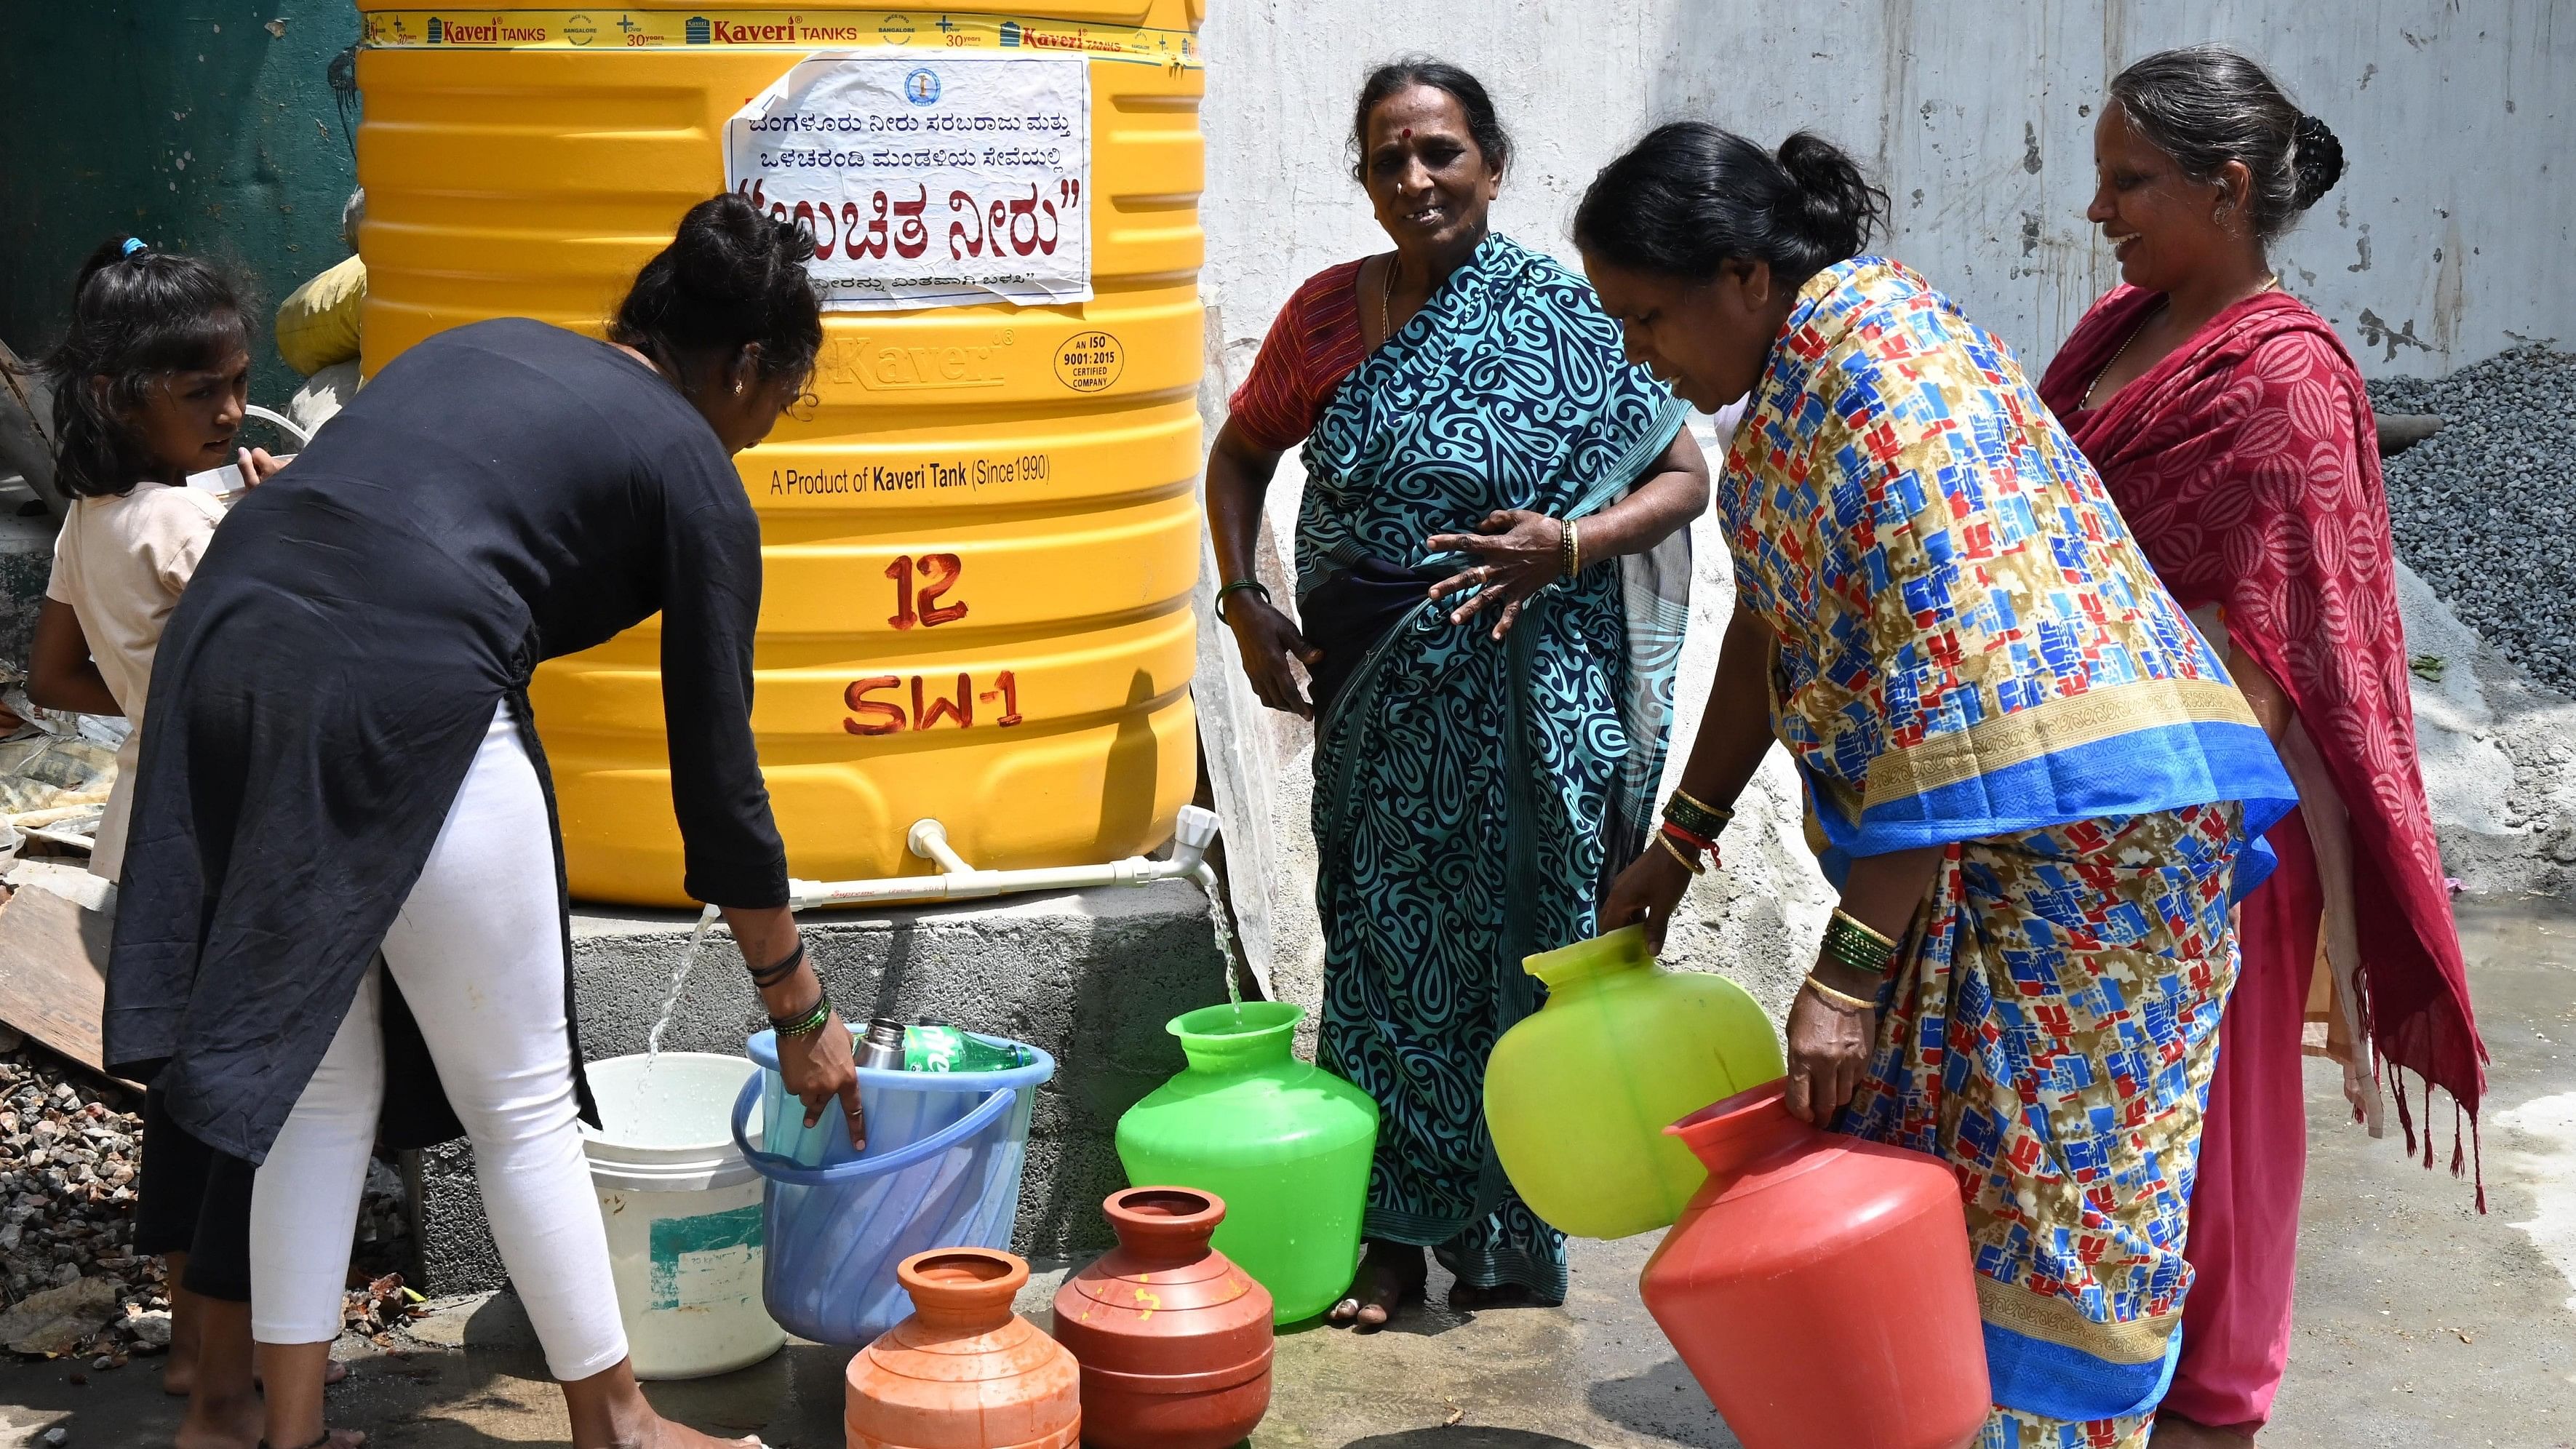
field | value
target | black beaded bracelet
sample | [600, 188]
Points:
[765, 977]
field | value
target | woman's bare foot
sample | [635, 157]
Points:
[667, 1435]
[608, 1411]
[1466, 1298]
[2173, 1431]
[219, 1423]
[1390, 1274]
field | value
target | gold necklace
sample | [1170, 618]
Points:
[2269, 283]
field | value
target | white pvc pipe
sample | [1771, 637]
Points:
[958, 880]
[283, 423]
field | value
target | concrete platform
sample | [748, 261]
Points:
[1090, 976]
[2421, 1325]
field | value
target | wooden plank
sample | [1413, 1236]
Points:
[53, 958]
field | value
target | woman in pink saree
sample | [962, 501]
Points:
[2233, 432]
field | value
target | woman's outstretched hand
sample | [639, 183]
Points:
[1649, 890]
[1517, 553]
[1269, 639]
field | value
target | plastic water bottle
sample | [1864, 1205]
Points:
[936, 1046]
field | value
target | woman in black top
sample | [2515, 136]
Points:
[342, 758]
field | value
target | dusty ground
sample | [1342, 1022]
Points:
[2420, 1323]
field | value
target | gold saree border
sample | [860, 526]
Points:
[2066, 723]
[2059, 1321]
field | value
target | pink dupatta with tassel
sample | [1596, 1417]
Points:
[2246, 462]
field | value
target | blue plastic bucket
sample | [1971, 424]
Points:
[942, 1170]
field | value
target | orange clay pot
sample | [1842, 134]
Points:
[1174, 1340]
[963, 1372]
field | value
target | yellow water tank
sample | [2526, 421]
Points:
[979, 542]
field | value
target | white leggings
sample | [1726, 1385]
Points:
[478, 953]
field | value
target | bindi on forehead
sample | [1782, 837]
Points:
[1408, 133]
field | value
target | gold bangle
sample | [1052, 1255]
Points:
[1666, 841]
[1864, 927]
[1838, 1000]
[1574, 542]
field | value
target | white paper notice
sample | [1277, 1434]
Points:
[928, 183]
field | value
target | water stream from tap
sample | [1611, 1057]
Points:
[1223, 921]
[679, 983]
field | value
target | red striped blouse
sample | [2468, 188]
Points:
[1312, 346]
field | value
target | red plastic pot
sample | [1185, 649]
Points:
[1174, 1340]
[963, 1372]
[1818, 1286]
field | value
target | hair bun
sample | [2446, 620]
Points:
[1837, 208]
[727, 251]
[2318, 159]
[731, 278]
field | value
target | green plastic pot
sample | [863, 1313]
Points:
[1578, 1094]
[1285, 1143]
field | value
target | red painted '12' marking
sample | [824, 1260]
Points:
[920, 605]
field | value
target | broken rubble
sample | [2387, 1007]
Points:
[70, 1153]
[56, 1320]
[150, 1329]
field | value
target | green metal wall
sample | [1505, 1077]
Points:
[209, 126]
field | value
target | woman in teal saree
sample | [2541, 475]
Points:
[1491, 569]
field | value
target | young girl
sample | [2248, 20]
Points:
[149, 387]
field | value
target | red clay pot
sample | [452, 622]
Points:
[1818, 1286]
[963, 1372]
[1174, 1340]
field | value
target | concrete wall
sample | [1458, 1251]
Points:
[1091, 976]
[190, 123]
[1975, 116]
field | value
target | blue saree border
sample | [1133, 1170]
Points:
[2039, 1377]
[2162, 767]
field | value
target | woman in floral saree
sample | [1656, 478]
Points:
[2032, 780]
[1490, 571]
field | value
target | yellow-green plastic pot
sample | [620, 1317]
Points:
[1579, 1093]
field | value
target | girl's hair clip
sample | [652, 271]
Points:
[134, 244]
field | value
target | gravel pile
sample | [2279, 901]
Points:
[70, 1150]
[2485, 509]
[67, 1166]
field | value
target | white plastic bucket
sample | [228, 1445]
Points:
[683, 1212]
